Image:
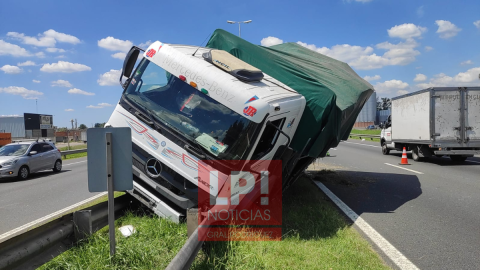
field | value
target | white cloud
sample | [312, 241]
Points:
[468, 62]
[145, 45]
[120, 55]
[428, 48]
[113, 44]
[467, 78]
[69, 110]
[477, 24]
[420, 78]
[361, 1]
[40, 55]
[80, 92]
[363, 58]
[270, 41]
[41, 41]
[372, 78]
[26, 63]
[35, 81]
[12, 49]
[48, 39]
[402, 92]
[470, 76]
[447, 29]
[420, 12]
[388, 87]
[406, 30]
[99, 106]
[11, 69]
[55, 50]
[60, 56]
[61, 37]
[61, 83]
[109, 78]
[21, 91]
[65, 67]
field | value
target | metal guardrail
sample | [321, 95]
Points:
[39, 245]
[371, 136]
[70, 152]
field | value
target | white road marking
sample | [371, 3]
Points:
[363, 144]
[334, 149]
[390, 251]
[74, 163]
[403, 168]
[47, 218]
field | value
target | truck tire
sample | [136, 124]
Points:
[385, 150]
[458, 158]
[415, 155]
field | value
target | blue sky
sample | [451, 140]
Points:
[68, 54]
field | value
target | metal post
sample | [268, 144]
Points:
[111, 208]
[239, 34]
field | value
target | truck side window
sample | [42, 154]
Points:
[268, 139]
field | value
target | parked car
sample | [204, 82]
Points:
[371, 127]
[23, 158]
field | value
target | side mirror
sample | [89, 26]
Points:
[32, 153]
[129, 62]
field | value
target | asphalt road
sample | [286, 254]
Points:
[43, 193]
[431, 215]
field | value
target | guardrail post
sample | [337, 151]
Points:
[82, 223]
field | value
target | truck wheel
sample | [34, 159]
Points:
[385, 150]
[415, 155]
[458, 158]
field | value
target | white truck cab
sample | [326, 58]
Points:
[185, 104]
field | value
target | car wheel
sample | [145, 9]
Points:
[458, 158]
[58, 166]
[23, 173]
[385, 150]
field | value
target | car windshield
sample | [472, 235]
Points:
[14, 149]
[195, 115]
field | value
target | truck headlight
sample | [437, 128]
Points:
[9, 163]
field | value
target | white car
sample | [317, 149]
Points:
[23, 158]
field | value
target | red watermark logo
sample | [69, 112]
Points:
[241, 203]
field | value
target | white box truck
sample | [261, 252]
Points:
[439, 121]
[187, 105]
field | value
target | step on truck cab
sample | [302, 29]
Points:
[439, 121]
[185, 104]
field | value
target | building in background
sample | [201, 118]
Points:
[383, 115]
[368, 114]
[28, 126]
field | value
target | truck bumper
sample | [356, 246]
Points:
[457, 152]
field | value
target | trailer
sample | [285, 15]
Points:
[439, 121]
[83, 136]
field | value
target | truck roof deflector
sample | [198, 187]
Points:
[233, 65]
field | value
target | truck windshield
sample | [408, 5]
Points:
[224, 133]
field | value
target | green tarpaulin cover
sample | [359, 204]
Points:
[335, 94]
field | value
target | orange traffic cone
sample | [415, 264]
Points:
[404, 157]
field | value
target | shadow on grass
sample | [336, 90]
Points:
[307, 215]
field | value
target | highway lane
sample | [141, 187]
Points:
[43, 193]
[432, 218]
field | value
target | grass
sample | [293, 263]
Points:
[366, 131]
[74, 147]
[78, 155]
[315, 236]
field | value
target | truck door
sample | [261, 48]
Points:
[472, 115]
[447, 114]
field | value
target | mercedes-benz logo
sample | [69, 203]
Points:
[153, 168]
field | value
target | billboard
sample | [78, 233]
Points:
[38, 121]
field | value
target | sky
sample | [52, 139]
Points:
[66, 56]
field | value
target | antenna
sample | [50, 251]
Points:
[201, 45]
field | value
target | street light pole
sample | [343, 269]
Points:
[239, 29]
